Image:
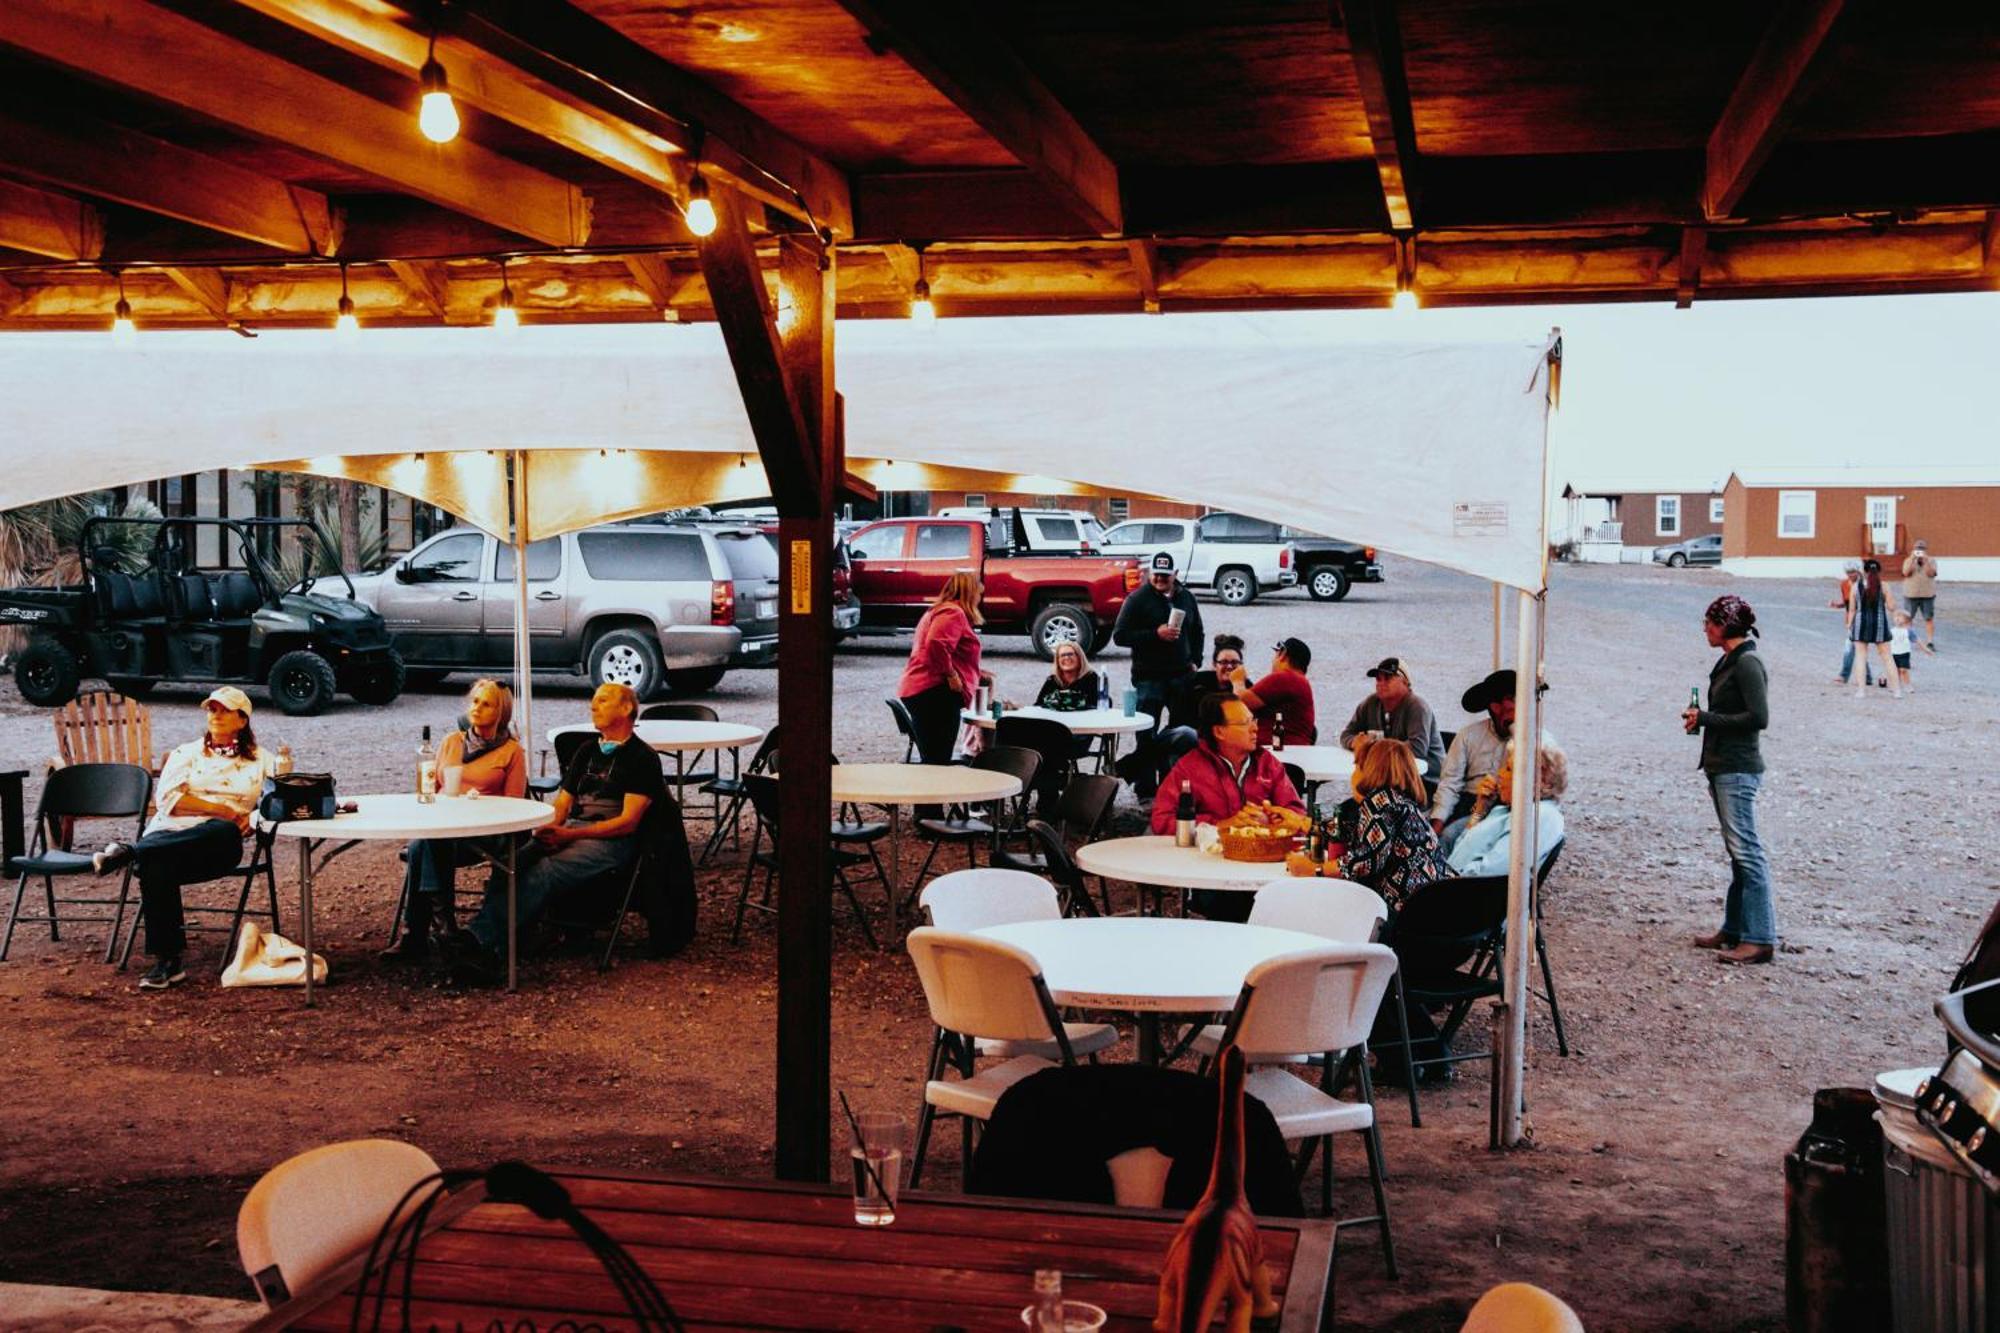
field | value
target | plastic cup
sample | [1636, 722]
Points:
[453, 778]
[1078, 1317]
[1175, 617]
[876, 1158]
[1131, 701]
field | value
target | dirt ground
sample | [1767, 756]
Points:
[1652, 1197]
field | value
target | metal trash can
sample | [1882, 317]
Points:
[1942, 1231]
[1836, 1235]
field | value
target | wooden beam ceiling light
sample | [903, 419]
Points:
[1375, 46]
[257, 93]
[1776, 83]
[948, 43]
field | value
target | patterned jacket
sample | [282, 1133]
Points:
[1393, 850]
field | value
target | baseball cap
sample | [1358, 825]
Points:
[1497, 685]
[229, 697]
[1163, 562]
[1296, 651]
[1389, 666]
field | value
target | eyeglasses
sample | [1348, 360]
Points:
[1229, 661]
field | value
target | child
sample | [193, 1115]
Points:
[1899, 648]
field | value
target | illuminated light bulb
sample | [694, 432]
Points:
[700, 212]
[1404, 302]
[437, 114]
[505, 317]
[921, 309]
[123, 330]
[344, 323]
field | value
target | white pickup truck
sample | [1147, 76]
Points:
[1211, 553]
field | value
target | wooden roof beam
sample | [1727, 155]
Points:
[425, 280]
[208, 288]
[1694, 250]
[54, 226]
[76, 153]
[1375, 45]
[1781, 75]
[947, 42]
[589, 62]
[238, 85]
[1145, 254]
[655, 277]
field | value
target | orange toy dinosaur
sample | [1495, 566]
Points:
[1217, 1257]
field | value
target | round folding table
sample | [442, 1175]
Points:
[1151, 861]
[1108, 724]
[893, 786]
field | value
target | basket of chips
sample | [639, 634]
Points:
[1261, 832]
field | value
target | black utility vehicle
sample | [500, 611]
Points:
[172, 620]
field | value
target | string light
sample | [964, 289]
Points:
[505, 317]
[700, 212]
[921, 309]
[345, 324]
[123, 330]
[437, 114]
[1404, 302]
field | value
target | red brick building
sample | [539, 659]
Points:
[1809, 521]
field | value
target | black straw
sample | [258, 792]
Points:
[861, 1139]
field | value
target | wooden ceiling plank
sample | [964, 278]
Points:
[961, 56]
[593, 63]
[207, 286]
[905, 265]
[1145, 254]
[76, 153]
[1694, 250]
[1775, 84]
[426, 281]
[1375, 46]
[653, 276]
[54, 226]
[217, 76]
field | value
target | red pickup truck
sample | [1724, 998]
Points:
[900, 564]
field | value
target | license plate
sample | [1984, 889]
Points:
[767, 610]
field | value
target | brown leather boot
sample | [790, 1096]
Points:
[1716, 941]
[1746, 953]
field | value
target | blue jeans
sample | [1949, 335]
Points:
[544, 877]
[1153, 698]
[1847, 665]
[1750, 913]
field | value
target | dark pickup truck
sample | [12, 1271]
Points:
[1327, 568]
[900, 564]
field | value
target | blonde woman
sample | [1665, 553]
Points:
[491, 762]
[943, 675]
[1392, 849]
[1072, 684]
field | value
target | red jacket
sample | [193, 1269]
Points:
[1216, 795]
[946, 653]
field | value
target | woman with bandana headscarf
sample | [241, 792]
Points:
[1731, 758]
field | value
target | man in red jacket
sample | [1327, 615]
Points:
[1227, 771]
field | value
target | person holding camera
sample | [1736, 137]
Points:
[1920, 594]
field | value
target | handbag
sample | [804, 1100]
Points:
[296, 796]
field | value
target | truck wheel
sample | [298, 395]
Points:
[132, 687]
[1235, 586]
[379, 683]
[1327, 583]
[302, 683]
[695, 680]
[1059, 623]
[627, 657]
[47, 673]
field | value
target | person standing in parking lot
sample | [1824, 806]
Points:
[1732, 759]
[1920, 594]
[1161, 624]
[942, 676]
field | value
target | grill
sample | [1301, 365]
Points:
[1961, 1102]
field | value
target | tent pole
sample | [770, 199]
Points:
[524, 687]
[1496, 627]
[1524, 857]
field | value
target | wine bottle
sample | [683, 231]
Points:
[1184, 816]
[427, 763]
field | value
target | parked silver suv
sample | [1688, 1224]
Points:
[657, 606]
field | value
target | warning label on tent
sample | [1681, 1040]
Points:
[1479, 518]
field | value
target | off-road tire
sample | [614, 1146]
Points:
[1060, 623]
[47, 673]
[1236, 586]
[628, 657]
[1677, 561]
[695, 680]
[133, 687]
[302, 683]
[381, 683]
[1327, 583]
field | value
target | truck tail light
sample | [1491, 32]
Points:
[1132, 578]
[1368, 553]
[722, 602]
[1284, 557]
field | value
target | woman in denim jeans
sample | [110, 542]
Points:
[1738, 708]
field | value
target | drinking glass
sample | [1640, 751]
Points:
[453, 776]
[877, 1161]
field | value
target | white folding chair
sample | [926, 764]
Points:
[1333, 909]
[968, 900]
[312, 1212]
[1521, 1307]
[977, 987]
[1321, 1001]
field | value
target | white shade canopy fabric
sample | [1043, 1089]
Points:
[1434, 451]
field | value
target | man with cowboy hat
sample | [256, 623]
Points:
[1478, 751]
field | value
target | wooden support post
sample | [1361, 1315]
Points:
[784, 367]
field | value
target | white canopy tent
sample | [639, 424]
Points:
[1434, 451]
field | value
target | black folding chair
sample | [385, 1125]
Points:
[1548, 866]
[906, 725]
[1055, 743]
[699, 774]
[958, 826]
[260, 863]
[1447, 936]
[764, 799]
[1079, 818]
[1060, 869]
[78, 791]
[731, 788]
[604, 906]
[567, 744]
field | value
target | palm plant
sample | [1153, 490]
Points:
[39, 544]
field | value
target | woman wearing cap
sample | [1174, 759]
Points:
[1738, 709]
[202, 805]
[1868, 626]
[491, 762]
[943, 676]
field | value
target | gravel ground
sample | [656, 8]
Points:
[1651, 1196]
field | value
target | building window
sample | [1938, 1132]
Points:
[1715, 509]
[1797, 511]
[1121, 509]
[1667, 515]
[975, 499]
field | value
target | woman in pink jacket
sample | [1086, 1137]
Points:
[943, 672]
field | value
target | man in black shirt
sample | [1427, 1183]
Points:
[606, 790]
[1161, 624]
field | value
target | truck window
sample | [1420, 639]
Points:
[638, 557]
[883, 543]
[455, 559]
[943, 541]
[544, 561]
[751, 556]
[1162, 534]
[1058, 531]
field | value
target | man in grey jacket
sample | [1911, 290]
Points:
[1399, 713]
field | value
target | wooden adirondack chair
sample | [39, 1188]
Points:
[102, 727]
